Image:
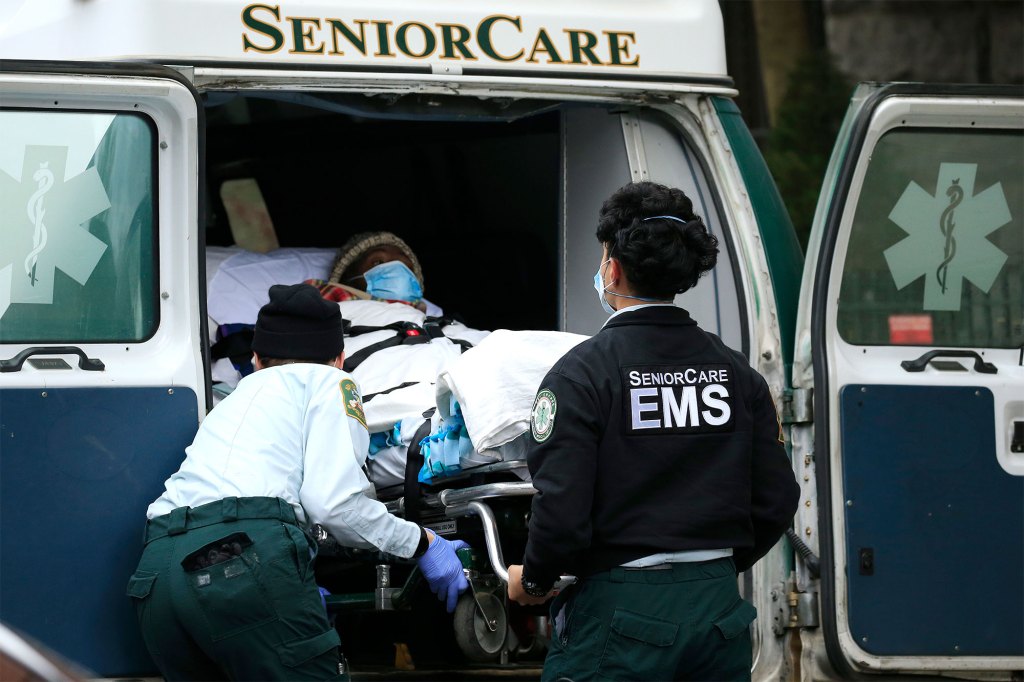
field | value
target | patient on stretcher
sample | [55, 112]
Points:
[376, 267]
[410, 362]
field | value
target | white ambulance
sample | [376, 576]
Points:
[487, 135]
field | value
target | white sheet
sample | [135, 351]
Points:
[496, 382]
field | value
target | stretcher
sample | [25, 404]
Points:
[487, 506]
[483, 497]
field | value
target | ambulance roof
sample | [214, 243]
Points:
[636, 40]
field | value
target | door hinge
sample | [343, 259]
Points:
[792, 609]
[798, 406]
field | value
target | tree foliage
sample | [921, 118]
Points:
[800, 142]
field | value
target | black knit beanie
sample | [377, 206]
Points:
[298, 324]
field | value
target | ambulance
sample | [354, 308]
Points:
[487, 134]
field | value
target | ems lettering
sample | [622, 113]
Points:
[267, 29]
[712, 396]
[682, 413]
[679, 399]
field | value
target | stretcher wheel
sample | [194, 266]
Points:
[480, 639]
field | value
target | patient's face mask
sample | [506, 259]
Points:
[393, 280]
[600, 288]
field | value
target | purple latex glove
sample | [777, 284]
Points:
[443, 570]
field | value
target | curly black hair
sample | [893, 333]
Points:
[661, 257]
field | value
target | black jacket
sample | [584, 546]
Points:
[651, 437]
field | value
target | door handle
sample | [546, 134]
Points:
[922, 362]
[84, 361]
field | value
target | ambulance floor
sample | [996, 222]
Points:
[474, 672]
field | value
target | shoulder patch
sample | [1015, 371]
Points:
[542, 418]
[353, 402]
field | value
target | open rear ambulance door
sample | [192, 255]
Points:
[911, 337]
[101, 340]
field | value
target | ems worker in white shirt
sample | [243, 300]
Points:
[659, 466]
[225, 587]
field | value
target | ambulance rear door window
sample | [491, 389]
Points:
[936, 254]
[79, 234]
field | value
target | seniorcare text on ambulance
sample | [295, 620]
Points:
[501, 38]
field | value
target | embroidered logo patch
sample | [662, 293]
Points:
[353, 402]
[542, 419]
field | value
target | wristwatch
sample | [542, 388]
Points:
[533, 588]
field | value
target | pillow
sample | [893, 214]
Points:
[238, 284]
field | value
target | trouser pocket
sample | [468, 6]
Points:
[304, 550]
[734, 651]
[140, 585]
[639, 647]
[300, 652]
[737, 620]
[140, 588]
[224, 576]
[561, 615]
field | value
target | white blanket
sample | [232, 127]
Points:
[496, 382]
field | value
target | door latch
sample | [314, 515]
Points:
[1017, 439]
[867, 561]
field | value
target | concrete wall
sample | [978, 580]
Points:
[951, 41]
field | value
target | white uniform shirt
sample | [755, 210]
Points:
[284, 432]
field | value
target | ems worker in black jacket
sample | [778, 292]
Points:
[659, 465]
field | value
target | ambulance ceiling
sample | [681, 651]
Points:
[607, 39]
[233, 107]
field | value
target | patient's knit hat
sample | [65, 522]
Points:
[359, 244]
[298, 324]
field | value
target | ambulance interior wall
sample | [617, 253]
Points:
[595, 163]
[498, 198]
[477, 200]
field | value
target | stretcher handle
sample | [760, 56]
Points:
[494, 554]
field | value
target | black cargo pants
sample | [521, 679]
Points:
[682, 622]
[226, 591]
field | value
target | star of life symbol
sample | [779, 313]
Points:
[40, 228]
[947, 236]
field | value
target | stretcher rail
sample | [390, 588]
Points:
[490, 526]
[458, 496]
[494, 554]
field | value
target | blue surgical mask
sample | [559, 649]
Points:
[600, 288]
[393, 281]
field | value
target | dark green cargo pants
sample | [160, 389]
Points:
[685, 622]
[250, 610]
